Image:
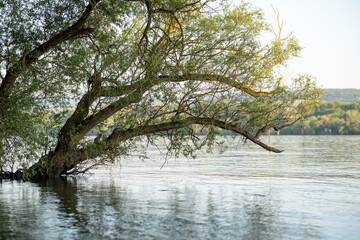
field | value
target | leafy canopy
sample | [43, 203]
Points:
[135, 69]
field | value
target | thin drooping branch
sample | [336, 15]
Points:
[119, 135]
[278, 128]
[30, 57]
[234, 128]
[195, 5]
[113, 91]
[221, 79]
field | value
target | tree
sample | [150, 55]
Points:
[28, 33]
[145, 70]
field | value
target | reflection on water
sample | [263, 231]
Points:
[309, 192]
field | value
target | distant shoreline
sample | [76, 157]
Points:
[348, 95]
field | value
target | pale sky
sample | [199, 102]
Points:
[328, 31]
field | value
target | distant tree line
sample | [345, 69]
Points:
[343, 95]
[332, 118]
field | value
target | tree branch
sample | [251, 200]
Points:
[31, 57]
[87, 124]
[120, 135]
[276, 127]
[222, 79]
[148, 24]
[116, 91]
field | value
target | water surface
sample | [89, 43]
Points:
[311, 191]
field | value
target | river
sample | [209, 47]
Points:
[310, 191]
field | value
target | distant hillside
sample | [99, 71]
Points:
[349, 95]
[329, 118]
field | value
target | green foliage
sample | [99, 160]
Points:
[143, 70]
[329, 118]
[23, 26]
[27, 24]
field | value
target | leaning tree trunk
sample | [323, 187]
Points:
[51, 164]
[54, 164]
